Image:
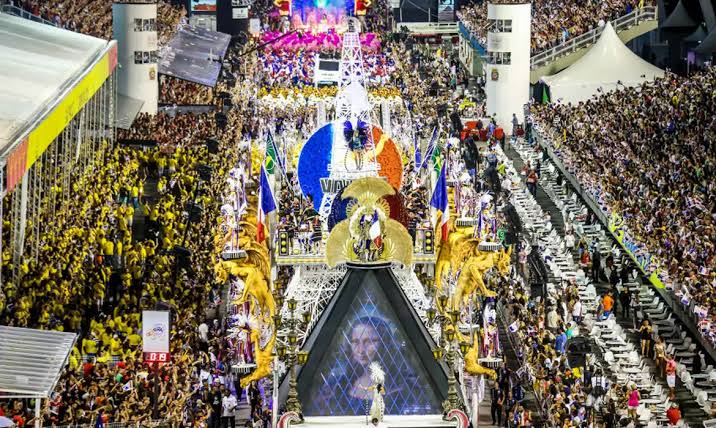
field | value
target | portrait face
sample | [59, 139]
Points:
[369, 331]
[364, 344]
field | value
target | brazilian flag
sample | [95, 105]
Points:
[437, 159]
[271, 155]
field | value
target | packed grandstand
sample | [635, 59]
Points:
[145, 226]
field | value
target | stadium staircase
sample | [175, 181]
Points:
[628, 27]
[514, 364]
[550, 184]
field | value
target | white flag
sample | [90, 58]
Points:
[127, 386]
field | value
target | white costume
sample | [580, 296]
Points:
[377, 408]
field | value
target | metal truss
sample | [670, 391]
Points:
[351, 66]
[46, 186]
[314, 286]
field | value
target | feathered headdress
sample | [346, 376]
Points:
[377, 375]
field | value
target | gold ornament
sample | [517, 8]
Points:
[369, 235]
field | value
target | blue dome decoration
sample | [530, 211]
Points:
[313, 163]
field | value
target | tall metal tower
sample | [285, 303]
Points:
[351, 67]
[352, 105]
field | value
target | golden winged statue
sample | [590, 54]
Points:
[369, 235]
[254, 270]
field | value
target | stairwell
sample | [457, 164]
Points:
[691, 412]
[513, 361]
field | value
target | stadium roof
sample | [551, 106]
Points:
[708, 45]
[698, 35]
[47, 74]
[31, 361]
[607, 65]
[679, 18]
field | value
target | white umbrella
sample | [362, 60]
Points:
[6, 422]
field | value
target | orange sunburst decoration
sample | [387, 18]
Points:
[389, 159]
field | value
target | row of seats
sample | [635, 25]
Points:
[560, 262]
[619, 352]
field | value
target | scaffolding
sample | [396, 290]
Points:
[46, 187]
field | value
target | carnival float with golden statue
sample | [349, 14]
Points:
[349, 259]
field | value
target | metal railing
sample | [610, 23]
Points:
[623, 23]
[159, 423]
[22, 13]
[518, 349]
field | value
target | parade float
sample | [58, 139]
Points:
[348, 263]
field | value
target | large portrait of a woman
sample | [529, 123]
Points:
[369, 332]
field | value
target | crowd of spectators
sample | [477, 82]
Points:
[553, 22]
[94, 17]
[295, 67]
[96, 270]
[656, 143]
[570, 395]
[91, 241]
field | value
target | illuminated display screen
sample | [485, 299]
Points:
[370, 331]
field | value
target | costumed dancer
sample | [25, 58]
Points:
[377, 376]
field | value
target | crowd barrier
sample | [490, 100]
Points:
[112, 362]
[474, 41]
[623, 23]
[22, 13]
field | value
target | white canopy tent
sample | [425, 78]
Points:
[31, 362]
[608, 62]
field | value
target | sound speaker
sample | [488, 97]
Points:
[537, 290]
[577, 350]
[204, 172]
[182, 252]
[212, 145]
[221, 120]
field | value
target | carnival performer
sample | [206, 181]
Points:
[377, 376]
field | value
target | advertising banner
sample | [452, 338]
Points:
[446, 10]
[155, 331]
[240, 12]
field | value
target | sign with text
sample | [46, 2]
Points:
[240, 12]
[495, 42]
[155, 331]
[254, 26]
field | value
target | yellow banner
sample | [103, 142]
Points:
[46, 132]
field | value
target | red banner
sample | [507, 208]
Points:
[16, 164]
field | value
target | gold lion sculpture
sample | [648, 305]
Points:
[263, 360]
[472, 366]
[471, 276]
[445, 261]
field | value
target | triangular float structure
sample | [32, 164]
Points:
[369, 319]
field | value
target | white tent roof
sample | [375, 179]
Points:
[31, 361]
[609, 61]
[37, 63]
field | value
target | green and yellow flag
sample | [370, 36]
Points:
[271, 155]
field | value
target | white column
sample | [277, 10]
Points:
[507, 70]
[135, 29]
